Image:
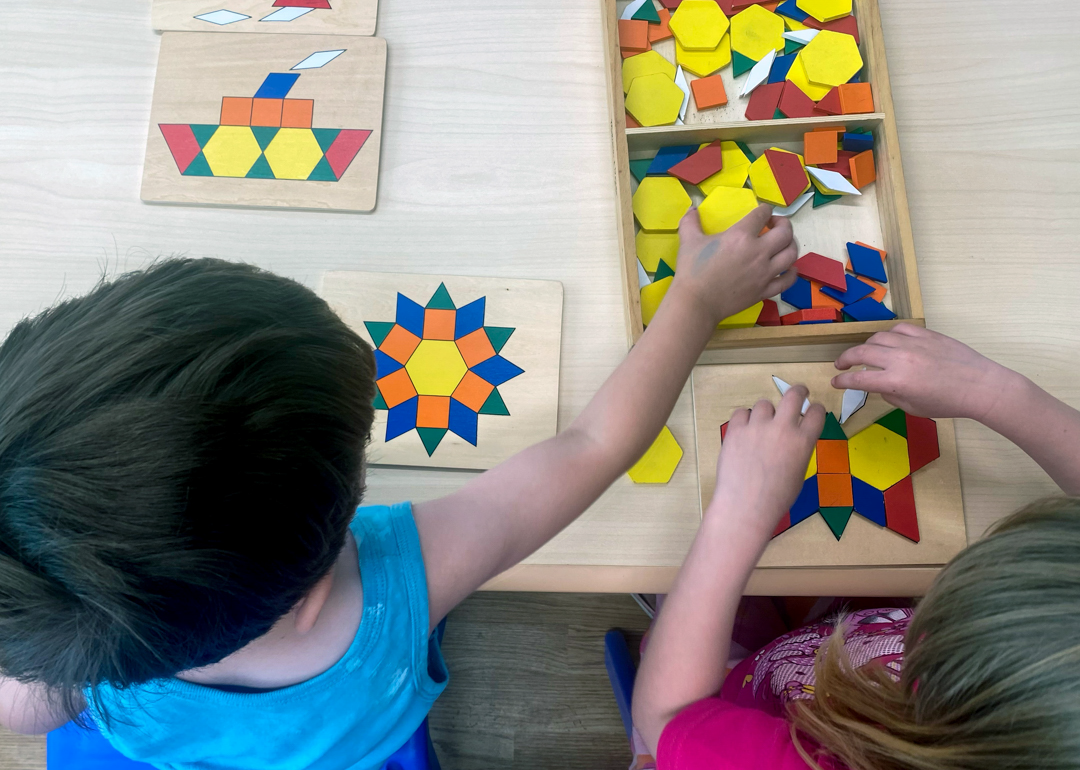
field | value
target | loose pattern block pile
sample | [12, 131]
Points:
[338, 17]
[467, 369]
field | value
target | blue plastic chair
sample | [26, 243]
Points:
[621, 672]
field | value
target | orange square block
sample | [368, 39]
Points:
[296, 113]
[820, 147]
[266, 112]
[628, 52]
[399, 344]
[856, 98]
[396, 388]
[660, 31]
[235, 111]
[473, 391]
[439, 324]
[634, 34]
[834, 490]
[433, 412]
[862, 169]
[832, 456]
[818, 299]
[709, 92]
[475, 347]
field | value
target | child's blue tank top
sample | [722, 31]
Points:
[350, 717]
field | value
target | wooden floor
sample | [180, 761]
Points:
[527, 688]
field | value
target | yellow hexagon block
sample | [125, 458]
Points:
[725, 206]
[797, 75]
[764, 182]
[831, 58]
[704, 63]
[648, 63]
[734, 172]
[825, 10]
[651, 297]
[659, 462]
[743, 320]
[755, 31]
[232, 151]
[436, 367]
[654, 100]
[698, 25]
[878, 456]
[660, 202]
[293, 153]
[652, 247]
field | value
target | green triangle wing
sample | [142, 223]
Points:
[379, 402]
[322, 172]
[837, 519]
[663, 270]
[378, 330]
[440, 300]
[325, 136]
[832, 428]
[896, 421]
[498, 336]
[198, 167]
[264, 134]
[203, 133]
[494, 405]
[741, 64]
[647, 11]
[431, 438]
[261, 169]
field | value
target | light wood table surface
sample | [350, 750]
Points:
[496, 161]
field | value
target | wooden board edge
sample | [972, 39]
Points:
[835, 333]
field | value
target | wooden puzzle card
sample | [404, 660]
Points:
[467, 368]
[881, 489]
[311, 17]
[258, 120]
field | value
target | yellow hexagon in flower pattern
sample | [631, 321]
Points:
[654, 100]
[436, 367]
[293, 153]
[878, 456]
[725, 206]
[825, 10]
[704, 63]
[659, 462]
[755, 31]
[648, 63]
[831, 58]
[232, 151]
[698, 25]
[660, 202]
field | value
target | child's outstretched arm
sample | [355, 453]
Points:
[758, 477]
[505, 514]
[931, 375]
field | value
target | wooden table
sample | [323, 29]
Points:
[496, 160]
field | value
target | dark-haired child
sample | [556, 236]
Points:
[181, 459]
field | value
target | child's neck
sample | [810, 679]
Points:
[283, 656]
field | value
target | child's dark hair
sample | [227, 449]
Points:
[181, 454]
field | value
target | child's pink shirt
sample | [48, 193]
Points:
[744, 728]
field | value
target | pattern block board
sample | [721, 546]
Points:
[720, 389]
[252, 120]
[297, 17]
[467, 369]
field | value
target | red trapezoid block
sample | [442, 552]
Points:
[818, 268]
[900, 515]
[922, 443]
[344, 149]
[182, 143]
[790, 176]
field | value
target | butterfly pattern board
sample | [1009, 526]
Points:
[467, 369]
[720, 389]
[297, 17]
[254, 120]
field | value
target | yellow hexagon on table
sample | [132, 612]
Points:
[293, 153]
[825, 10]
[743, 320]
[436, 367]
[232, 151]
[698, 25]
[651, 297]
[725, 206]
[755, 31]
[654, 100]
[797, 75]
[734, 171]
[831, 58]
[660, 460]
[878, 456]
[652, 247]
[660, 202]
[704, 63]
[648, 63]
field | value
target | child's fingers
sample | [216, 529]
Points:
[763, 410]
[870, 380]
[739, 417]
[779, 237]
[780, 283]
[790, 407]
[864, 355]
[813, 422]
[753, 222]
[690, 226]
[910, 330]
[784, 259]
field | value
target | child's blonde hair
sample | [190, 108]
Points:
[991, 674]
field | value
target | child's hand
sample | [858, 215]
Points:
[731, 271]
[924, 373]
[764, 459]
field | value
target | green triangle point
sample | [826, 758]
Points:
[896, 421]
[198, 167]
[832, 429]
[440, 300]
[264, 135]
[261, 169]
[325, 136]
[498, 335]
[741, 64]
[837, 519]
[203, 133]
[639, 168]
[431, 438]
[647, 12]
[322, 172]
[379, 402]
[750, 156]
[495, 405]
[378, 330]
[663, 270]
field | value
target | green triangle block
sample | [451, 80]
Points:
[750, 156]
[896, 421]
[440, 300]
[663, 270]
[837, 519]
[322, 172]
[198, 167]
[647, 11]
[203, 133]
[325, 136]
[859, 131]
[639, 167]
[847, 318]
[498, 335]
[791, 46]
[741, 64]
[820, 198]
[264, 135]
[494, 405]
[378, 330]
[261, 169]
[777, 115]
[431, 438]
[379, 402]
[832, 429]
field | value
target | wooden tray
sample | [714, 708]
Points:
[881, 213]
